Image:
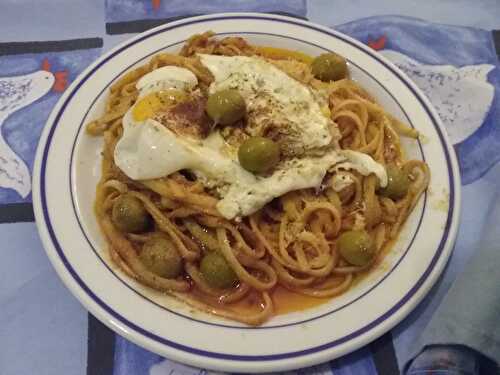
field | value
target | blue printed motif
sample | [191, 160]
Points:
[132, 359]
[457, 68]
[448, 63]
[30, 86]
[130, 10]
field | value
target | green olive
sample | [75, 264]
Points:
[216, 271]
[329, 67]
[258, 154]
[226, 106]
[129, 215]
[397, 183]
[356, 247]
[161, 257]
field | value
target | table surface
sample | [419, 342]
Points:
[45, 330]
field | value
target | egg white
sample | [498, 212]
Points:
[145, 151]
[149, 150]
[264, 86]
[164, 78]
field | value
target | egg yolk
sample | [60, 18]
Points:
[152, 103]
[280, 53]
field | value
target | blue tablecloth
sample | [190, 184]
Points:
[449, 49]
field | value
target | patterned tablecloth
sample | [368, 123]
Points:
[449, 48]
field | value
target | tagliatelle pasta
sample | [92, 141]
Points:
[305, 245]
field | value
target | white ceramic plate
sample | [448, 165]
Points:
[67, 169]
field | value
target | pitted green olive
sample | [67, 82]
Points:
[129, 215]
[329, 67]
[161, 257]
[356, 247]
[397, 183]
[216, 271]
[226, 106]
[258, 154]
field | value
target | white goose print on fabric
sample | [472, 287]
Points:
[461, 95]
[457, 68]
[15, 93]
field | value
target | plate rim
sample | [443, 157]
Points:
[374, 329]
[80, 220]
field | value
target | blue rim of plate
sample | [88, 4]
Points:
[225, 356]
[96, 252]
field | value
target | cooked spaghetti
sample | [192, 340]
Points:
[255, 197]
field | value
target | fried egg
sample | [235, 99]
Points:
[273, 96]
[140, 151]
[149, 150]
